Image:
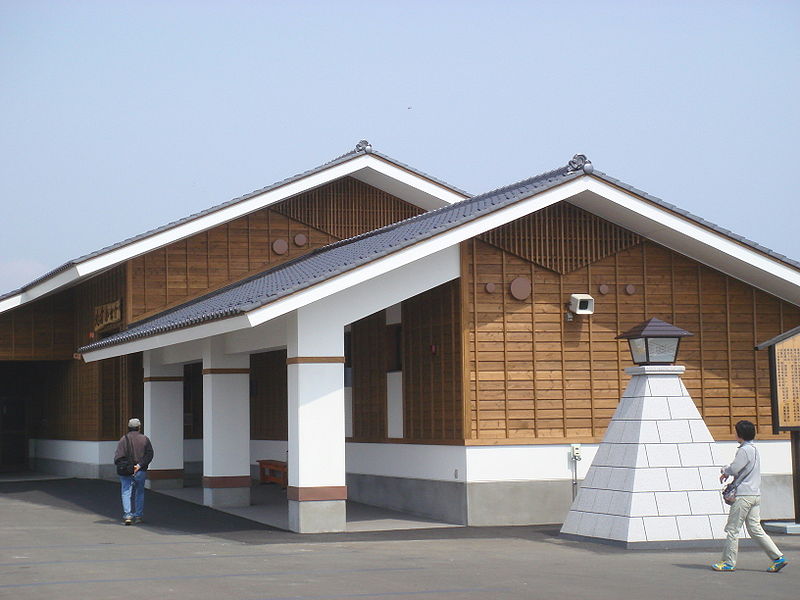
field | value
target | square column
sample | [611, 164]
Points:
[226, 427]
[163, 422]
[315, 364]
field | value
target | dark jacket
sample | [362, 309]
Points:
[142, 449]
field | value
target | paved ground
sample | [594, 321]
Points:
[62, 539]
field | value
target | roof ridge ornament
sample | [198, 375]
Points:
[578, 162]
[364, 146]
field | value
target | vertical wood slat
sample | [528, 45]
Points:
[432, 383]
[562, 238]
[369, 359]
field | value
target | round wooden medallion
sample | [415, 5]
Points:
[602, 288]
[521, 288]
[300, 239]
[280, 246]
[630, 289]
[490, 288]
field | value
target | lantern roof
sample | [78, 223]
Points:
[654, 328]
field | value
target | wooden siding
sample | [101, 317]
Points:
[562, 238]
[212, 259]
[432, 380]
[233, 251]
[347, 207]
[369, 360]
[42, 330]
[269, 417]
[534, 377]
[93, 401]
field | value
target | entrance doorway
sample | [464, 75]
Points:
[13, 434]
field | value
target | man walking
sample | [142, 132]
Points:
[746, 508]
[137, 447]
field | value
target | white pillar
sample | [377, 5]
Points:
[226, 427]
[315, 364]
[163, 422]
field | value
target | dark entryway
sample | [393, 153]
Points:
[13, 434]
[18, 384]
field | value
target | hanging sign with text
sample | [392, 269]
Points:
[785, 367]
[107, 314]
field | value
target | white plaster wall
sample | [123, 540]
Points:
[348, 412]
[444, 463]
[394, 404]
[776, 455]
[94, 453]
[522, 463]
[268, 450]
[192, 450]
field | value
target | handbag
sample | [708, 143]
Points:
[126, 463]
[729, 491]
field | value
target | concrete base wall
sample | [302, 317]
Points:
[68, 468]
[777, 499]
[322, 516]
[442, 500]
[489, 503]
[518, 502]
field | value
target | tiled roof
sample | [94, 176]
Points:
[331, 260]
[361, 150]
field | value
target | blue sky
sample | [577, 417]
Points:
[117, 117]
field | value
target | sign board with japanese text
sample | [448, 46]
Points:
[785, 379]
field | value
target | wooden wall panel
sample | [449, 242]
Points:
[243, 247]
[561, 237]
[269, 418]
[432, 378]
[347, 207]
[534, 377]
[93, 401]
[42, 330]
[369, 360]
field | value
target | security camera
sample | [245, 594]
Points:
[581, 304]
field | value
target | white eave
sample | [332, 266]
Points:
[369, 168]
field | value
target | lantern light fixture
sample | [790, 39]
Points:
[654, 342]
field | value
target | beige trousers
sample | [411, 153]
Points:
[747, 510]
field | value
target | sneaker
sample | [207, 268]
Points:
[723, 566]
[137, 520]
[127, 520]
[777, 565]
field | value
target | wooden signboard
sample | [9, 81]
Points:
[107, 314]
[785, 375]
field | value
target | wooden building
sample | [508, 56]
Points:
[393, 339]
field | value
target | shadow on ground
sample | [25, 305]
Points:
[171, 516]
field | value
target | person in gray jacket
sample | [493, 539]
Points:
[133, 485]
[746, 508]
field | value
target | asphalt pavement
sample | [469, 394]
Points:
[64, 539]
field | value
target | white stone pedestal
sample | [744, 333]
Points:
[654, 482]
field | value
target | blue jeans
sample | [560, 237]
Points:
[133, 490]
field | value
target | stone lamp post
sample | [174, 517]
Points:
[653, 482]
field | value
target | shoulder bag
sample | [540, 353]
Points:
[126, 463]
[729, 491]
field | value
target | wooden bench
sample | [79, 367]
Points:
[273, 471]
